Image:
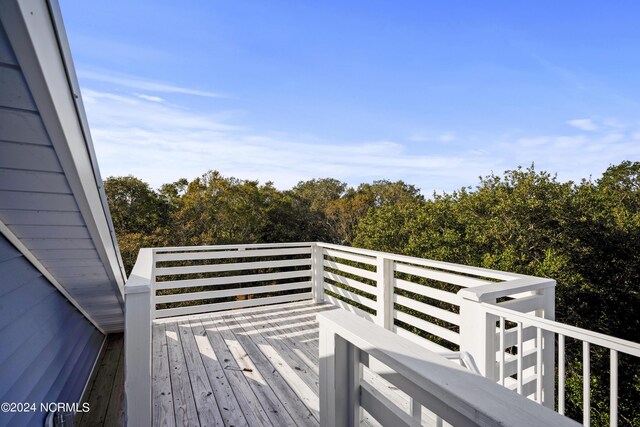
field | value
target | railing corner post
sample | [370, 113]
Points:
[317, 273]
[384, 292]
[138, 318]
[477, 334]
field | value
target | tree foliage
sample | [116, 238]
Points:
[585, 235]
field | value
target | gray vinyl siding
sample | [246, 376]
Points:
[47, 347]
[37, 203]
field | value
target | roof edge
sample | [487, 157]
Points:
[67, 58]
[37, 35]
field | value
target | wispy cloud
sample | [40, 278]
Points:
[588, 152]
[426, 137]
[161, 142]
[151, 98]
[583, 124]
[139, 83]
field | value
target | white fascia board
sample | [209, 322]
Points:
[63, 42]
[35, 39]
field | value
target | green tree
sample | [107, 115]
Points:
[134, 206]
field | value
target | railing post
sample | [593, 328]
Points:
[340, 376]
[317, 273]
[549, 349]
[477, 334]
[384, 292]
[137, 341]
[327, 386]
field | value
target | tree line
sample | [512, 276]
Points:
[585, 235]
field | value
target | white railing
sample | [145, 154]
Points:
[440, 306]
[349, 345]
[526, 329]
[181, 273]
[418, 298]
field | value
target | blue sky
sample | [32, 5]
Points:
[435, 93]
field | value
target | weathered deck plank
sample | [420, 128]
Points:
[105, 390]
[290, 365]
[184, 405]
[249, 403]
[259, 365]
[103, 385]
[270, 402]
[208, 412]
[227, 403]
[115, 409]
[163, 414]
[301, 414]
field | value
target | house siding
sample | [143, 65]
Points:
[37, 203]
[47, 346]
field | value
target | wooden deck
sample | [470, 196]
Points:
[105, 392]
[256, 367]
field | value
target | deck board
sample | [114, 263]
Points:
[163, 413]
[184, 405]
[115, 410]
[247, 400]
[255, 367]
[105, 392]
[263, 391]
[225, 397]
[295, 407]
[208, 411]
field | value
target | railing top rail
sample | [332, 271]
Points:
[471, 396]
[595, 338]
[497, 290]
[230, 246]
[510, 282]
[465, 269]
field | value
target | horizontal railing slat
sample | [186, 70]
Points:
[528, 361]
[216, 268]
[349, 307]
[427, 291]
[428, 309]
[429, 327]
[528, 384]
[195, 296]
[371, 275]
[204, 308]
[230, 247]
[350, 282]
[245, 278]
[350, 256]
[386, 412]
[182, 256]
[447, 266]
[350, 295]
[419, 340]
[524, 305]
[511, 336]
[441, 276]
